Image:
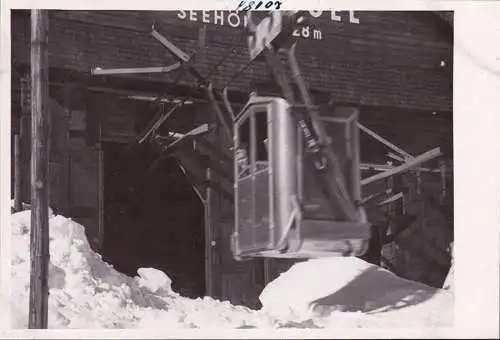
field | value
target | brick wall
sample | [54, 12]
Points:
[415, 131]
[421, 252]
[388, 59]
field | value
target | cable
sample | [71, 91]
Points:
[214, 68]
[224, 58]
[201, 82]
[238, 73]
[176, 81]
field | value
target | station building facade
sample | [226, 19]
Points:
[396, 67]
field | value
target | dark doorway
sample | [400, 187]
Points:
[153, 218]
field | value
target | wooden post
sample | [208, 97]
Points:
[25, 138]
[38, 307]
[267, 271]
[100, 198]
[100, 185]
[209, 289]
[17, 172]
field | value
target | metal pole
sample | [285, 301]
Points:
[384, 141]
[39, 293]
[136, 70]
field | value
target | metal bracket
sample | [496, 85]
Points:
[97, 71]
[294, 216]
[179, 55]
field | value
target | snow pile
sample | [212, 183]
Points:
[347, 291]
[86, 292]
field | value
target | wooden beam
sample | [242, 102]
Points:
[209, 238]
[127, 84]
[426, 156]
[385, 167]
[215, 106]
[39, 255]
[155, 123]
[100, 195]
[158, 99]
[395, 157]
[180, 138]
[384, 141]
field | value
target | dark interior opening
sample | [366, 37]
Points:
[244, 136]
[261, 136]
[152, 218]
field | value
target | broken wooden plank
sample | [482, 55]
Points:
[384, 141]
[391, 199]
[155, 123]
[426, 156]
[385, 167]
[188, 136]
[215, 106]
[176, 52]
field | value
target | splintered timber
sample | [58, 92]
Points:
[238, 19]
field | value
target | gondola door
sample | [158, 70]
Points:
[253, 178]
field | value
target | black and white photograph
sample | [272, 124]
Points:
[252, 168]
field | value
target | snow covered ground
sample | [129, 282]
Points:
[86, 292]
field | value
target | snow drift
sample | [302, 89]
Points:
[322, 289]
[86, 292]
